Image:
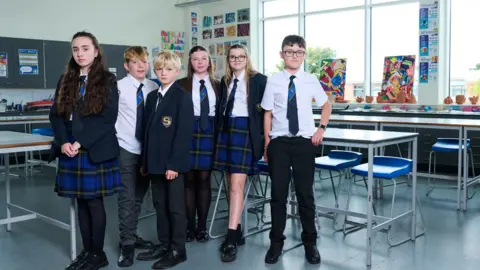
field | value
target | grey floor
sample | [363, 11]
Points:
[451, 242]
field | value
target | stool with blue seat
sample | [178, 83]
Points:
[387, 168]
[338, 161]
[446, 145]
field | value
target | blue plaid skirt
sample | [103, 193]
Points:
[79, 177]
[234, 152]
[201, 146]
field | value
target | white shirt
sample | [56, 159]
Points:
[163, 92]
[275, 99]
[240, 104]
[127, 111]
[212, 100]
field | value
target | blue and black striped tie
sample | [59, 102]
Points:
[82, 85]
[204, 106]
[140, 114]
[292, 113]
[230, 102]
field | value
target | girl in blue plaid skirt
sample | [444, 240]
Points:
[239, 142]
[205, 96]
[83, 119]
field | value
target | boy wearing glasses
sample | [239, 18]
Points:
[291, 141]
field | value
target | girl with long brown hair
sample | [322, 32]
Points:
[83, 119]
[205, 91]
[239, 143]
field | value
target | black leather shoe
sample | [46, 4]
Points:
[153, 254]
[95, 262]
[190, 236]
[126, 256]
[170, 260]
[229, 253]
[273, 253]
[312, 255]
[140, 243]
[202, 235]
[240, 241]
[79, 261]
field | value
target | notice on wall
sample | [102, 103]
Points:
[3, 65]
[428, 42]
[28, 61]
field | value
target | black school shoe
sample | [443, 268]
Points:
[140, 243]
[171, 259]
[79, 261]
[202, 235]
[312, 255]
[273, 253]
[126, 256]
[229, 253]
[240, 240]
[190, 236]
[95, 262]
[154, 253]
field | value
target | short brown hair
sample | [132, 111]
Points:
[133, 52]
[294, 39]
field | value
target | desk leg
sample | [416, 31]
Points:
[73, 229]
[414, 188]
[369, 206]
[459, 180]
[465, 170]
[7, 188]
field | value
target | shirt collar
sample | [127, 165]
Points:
[135, 82]
[197, 79]
[297, 75]
[240, 77]
[164, 91]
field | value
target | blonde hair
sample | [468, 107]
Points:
[135, 52]
[249, 70]
[167, 59]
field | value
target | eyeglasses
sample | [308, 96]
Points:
[297, 53]
[234, 58]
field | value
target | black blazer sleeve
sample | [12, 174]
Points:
[101, 124]
[262, 82]
[60, 135]
[183, 132]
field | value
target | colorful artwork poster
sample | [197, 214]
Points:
[220, 49]
[211, 49]
[230, 17]
[243, 30]
[174, 41]
[423, 72]
[243, 15]
[423, 18]
[244, 42]
[398, 74]
[194, 18]
[207, 21]
[424, 45]
[28, 61]
[226, 46]
[3, 64]
[332, 77]
[219, 32]
[207, 34]
[218, 19]
[231, 31]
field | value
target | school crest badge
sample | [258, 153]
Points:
[167, 121]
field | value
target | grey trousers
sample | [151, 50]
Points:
[131, 195]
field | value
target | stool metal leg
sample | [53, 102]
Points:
[430, 188]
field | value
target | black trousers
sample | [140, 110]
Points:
[169, 202]
[131, 195]
[299, 154]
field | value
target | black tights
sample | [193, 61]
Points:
[92, 221]
[198, 196]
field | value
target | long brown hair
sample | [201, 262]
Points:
[191, 71]
[249, 70]
[97, 89]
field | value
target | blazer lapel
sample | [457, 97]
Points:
[166, 99]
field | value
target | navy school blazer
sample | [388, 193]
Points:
[168, 131]
[95, 132]
[186, 84]
[257, 82]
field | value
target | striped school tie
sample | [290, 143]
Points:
[204, 106]
[82, 85]
[292, 113]
[140, 114]
[230, 101]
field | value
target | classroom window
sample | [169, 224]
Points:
[338, 35]
[395, 32]
[319, 5]
[464, 48]
[274, 33]
[280, 8]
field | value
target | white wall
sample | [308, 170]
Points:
[124, 22]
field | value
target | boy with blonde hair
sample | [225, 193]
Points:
[130, 126]
[166, 148]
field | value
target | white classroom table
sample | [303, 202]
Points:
[462, 126]
[13, 142]
[371, 139]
